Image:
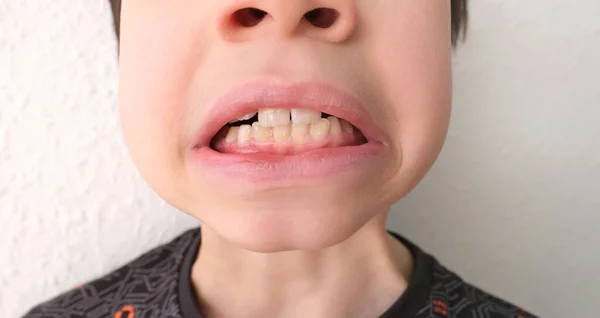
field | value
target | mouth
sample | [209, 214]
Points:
[284, 131]
[267, 130]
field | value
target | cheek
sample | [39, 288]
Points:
[156, 57]
[416, 81]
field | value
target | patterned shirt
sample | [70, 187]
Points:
[157, 284]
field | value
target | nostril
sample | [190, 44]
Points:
[248, 17]
[322, 17]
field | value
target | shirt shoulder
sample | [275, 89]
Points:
[452, 297]
[145, 287]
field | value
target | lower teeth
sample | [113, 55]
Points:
[318, 131]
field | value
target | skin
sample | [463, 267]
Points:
[315, 248]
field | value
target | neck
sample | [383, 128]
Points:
[360, 277]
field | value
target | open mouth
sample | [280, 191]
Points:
[285, 131]
[269, 131]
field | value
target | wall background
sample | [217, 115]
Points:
[513, 204]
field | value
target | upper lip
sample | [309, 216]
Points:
[256, 95]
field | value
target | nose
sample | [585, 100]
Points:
[325, 20]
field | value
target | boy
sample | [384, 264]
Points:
[289, 128]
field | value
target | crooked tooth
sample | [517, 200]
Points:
[281, 134]
[320, 130]
[244, 117]
[262, 134]
[305, 116]
[299, 132]
[232, 134]
[334, 126]
[346, 126]
[244, 135]
[272, 117]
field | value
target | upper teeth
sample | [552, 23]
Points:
[244, 117]
[274, 117]
[305, 116]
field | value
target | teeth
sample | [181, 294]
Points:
[334, 126]
[271, 117]
[320, 130]
[262, 134]
[275, 125]
[346, 126]
[281, 134]
[232, 134]
[244, 135]
[299, 132]
[244, 117]
[305, 116]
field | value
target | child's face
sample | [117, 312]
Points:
[179, 57]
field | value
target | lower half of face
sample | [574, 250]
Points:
[284, 124]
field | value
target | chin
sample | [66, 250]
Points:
[272, 226]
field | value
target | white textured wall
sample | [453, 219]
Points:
[512, 205]
[72, 206]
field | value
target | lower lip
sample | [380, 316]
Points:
[261, 167]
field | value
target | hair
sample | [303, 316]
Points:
[459, 14]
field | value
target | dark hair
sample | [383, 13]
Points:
[459, 18]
